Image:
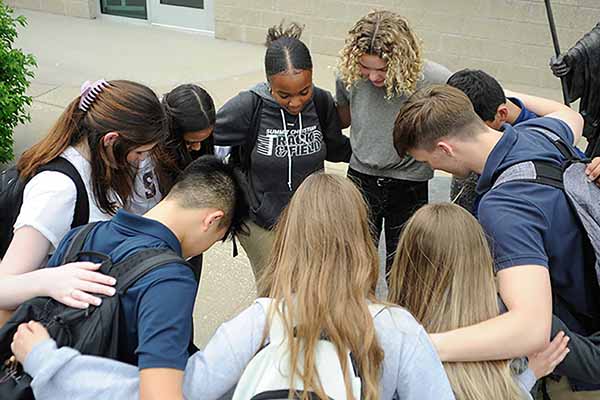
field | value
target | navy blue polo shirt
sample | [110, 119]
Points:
[157, 309]
[525, 114]
[533, 224]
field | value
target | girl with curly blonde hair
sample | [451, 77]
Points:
[380, 65]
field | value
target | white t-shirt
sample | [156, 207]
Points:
[49, 200]
[146, 192]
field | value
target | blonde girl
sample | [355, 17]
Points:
[443, 274]
[381, 65]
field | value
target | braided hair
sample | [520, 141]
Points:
[285, 51]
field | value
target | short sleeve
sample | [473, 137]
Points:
[164, 317]
[554, 125]
[342, 96]
[48, 205]
[515, 227]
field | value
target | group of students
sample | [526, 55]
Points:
[475, 294]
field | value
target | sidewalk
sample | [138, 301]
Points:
[70, 51]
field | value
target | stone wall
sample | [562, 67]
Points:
[508, 38]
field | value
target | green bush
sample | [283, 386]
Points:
[16, 71]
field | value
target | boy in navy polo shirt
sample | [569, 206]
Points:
[537, 243]
[157, 310]
[492, 106]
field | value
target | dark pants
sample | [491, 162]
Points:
[392, 200]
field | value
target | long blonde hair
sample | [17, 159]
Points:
[324, 268]
[387, 35]
[443, 274]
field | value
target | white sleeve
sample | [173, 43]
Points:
[223, 153]
[48, 205]
[211, 373]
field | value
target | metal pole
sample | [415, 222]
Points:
[556, 46]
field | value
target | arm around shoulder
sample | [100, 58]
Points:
[523, 329]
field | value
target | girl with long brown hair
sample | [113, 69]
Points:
[380, 65]
[443, 274]
[103, 134]
[324, 270]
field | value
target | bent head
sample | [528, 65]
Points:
[213, 191]
[192, 116]
[434, 125]
[288, 65]
[382, 48]
[485, 93]
[120, 124]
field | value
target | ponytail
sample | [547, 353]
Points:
[63, 134]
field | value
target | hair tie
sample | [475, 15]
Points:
[89, 91]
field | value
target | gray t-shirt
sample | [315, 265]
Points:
[373, 117]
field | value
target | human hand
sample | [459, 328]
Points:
[593, 170]
[544, 362]
[560, 65]
[28, 335]
[71, 284]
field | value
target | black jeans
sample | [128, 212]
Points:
[394, 200]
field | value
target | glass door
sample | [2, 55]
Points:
[190, 14]
[125, 8]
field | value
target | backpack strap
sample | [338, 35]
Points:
[246, 148]
[321, 101]
[376, 309]
[566, 150]
[77, 241]
[135, 266]
[81, 214]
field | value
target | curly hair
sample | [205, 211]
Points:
[387, 35]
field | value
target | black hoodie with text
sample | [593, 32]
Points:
[288, 147]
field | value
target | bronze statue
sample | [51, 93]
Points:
[579, 67]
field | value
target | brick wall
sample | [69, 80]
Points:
[73, 8]
[508, 38]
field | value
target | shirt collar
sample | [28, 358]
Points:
[147, 227]
[496, 159]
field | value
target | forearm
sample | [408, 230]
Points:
[161, 383]
[64, 373]
[509, 335]
[538, 105]
[17, 289]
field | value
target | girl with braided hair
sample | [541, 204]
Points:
[279, 132]
[380, 65]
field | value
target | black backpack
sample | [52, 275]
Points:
[92, 331]
[11, 198]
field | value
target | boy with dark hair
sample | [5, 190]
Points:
[204, 206]
[492, 106]
[537, 241]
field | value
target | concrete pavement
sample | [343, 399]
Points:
[70, 51]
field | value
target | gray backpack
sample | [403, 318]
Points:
[582, 195]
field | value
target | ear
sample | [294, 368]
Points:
[445, 147]
[502, 113]
[211, 219]
[109, 138]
